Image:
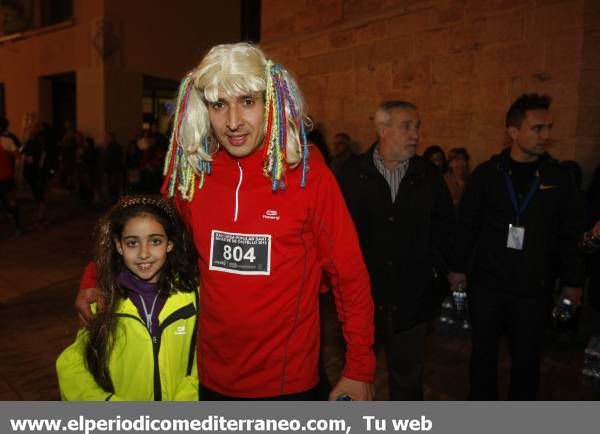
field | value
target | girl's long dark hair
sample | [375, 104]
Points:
[180, 272]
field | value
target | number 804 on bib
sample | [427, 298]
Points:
[240, 253]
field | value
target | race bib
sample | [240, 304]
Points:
[240, 253]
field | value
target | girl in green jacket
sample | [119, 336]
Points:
[141, 345]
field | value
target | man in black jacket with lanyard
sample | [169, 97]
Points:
[405, 221]
[520, 219]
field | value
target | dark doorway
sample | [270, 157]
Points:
[250, 31]
[56, 11]
[58, 100]
[2, 101]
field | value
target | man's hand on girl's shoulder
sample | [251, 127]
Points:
[85, 298]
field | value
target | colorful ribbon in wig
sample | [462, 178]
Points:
[279, 95]
[178, 171]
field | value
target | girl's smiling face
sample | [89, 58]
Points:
[144, 246]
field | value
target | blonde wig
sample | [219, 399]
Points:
[235, 69]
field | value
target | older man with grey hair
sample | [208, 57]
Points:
[405, 220]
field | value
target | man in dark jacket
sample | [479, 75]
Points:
[405, 220]
[520, 219]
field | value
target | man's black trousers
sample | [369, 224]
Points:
[521, 320]
[405, 355]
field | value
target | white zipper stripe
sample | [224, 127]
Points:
[237, 193]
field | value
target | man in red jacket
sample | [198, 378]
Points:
[266, 224]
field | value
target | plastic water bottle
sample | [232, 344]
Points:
[446, 311]
[459, 296]
[591, 354]
[590, 372]
[446, 320]
[563, 311]
[589, 243]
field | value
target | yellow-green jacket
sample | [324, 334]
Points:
[140, 369]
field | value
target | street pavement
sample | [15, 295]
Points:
[39, 273]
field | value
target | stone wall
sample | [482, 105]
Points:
[24, 61]
[461, 61]
[588, 120]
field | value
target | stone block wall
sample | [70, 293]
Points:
[461, 61]
[588, 119]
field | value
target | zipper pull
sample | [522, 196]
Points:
[149, 322]
[237, 192]
[154, 340]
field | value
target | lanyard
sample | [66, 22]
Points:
[513, 195]
[148, 314]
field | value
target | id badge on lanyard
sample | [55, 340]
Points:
[516, 237]
[516, 233]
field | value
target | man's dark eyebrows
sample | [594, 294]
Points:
[207, 102]
[248, 95]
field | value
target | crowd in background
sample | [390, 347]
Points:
[98, 173]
